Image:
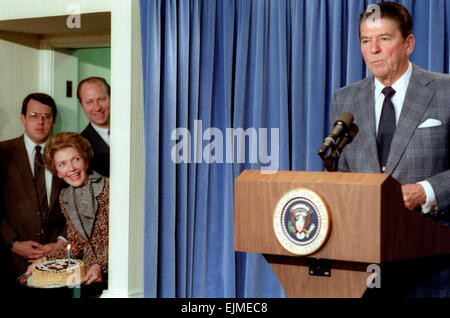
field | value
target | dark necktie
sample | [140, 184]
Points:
[386, 127]
[39, 181]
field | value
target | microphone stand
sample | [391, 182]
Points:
[331, 160]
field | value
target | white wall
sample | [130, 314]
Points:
[65, 68]
[21, 9]
[126, 272]
[19, 76]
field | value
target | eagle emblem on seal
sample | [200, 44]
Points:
[300, 221]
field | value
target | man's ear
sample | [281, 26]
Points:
[410, 42]
[22, 119]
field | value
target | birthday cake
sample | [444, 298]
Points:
[57, 272]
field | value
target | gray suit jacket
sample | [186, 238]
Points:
[416, 153]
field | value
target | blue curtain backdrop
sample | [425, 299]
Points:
[242, 64]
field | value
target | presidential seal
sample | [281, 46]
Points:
[301, 221]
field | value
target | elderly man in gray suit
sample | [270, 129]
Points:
[418, 156]
[403, 115]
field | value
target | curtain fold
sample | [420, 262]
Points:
[267, 67]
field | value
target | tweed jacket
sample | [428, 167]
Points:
[93, 250]
[100, 161]
[420, 149]
[19, 211]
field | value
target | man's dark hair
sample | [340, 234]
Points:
[392, 11]
[93, 79]
[42, 98]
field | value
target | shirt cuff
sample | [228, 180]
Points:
[430, 204]
[62, 238]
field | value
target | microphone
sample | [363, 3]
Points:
[340, 126]
[345, 140]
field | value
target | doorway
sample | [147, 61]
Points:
[70, 66]
[29, 36]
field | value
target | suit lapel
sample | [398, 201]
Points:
[25, 170]
[417, 99]
[98, 144]
[56, 182]
[366, 122]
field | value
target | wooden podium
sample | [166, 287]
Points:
[369, 225]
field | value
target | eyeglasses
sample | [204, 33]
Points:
[45, 116]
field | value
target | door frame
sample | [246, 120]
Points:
[127, 181]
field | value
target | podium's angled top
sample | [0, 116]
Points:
[315, 176]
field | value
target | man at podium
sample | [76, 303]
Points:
[403, 115]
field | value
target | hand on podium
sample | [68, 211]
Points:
[413, 195]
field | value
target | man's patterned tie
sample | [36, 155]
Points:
[39, 181]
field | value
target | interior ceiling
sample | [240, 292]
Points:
[90, 24]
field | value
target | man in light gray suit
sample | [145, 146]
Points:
[419, 150]
[403, 115]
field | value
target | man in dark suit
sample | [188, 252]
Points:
[403, 115]
[31, 221]
[94, 96]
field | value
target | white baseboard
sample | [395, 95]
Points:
[121, 294]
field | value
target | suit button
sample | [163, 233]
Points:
[38, 213]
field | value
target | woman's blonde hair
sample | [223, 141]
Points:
[64, 140]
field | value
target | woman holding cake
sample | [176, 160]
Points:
[85, 204]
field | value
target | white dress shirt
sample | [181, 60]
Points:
[400, 86]
[103, 132]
